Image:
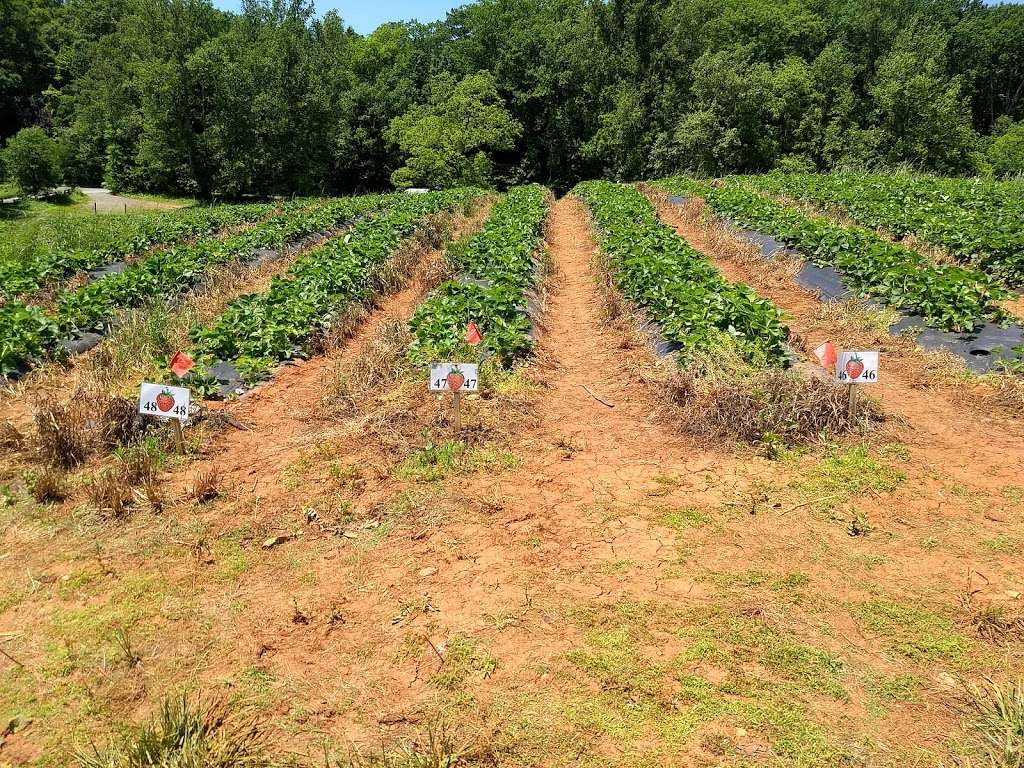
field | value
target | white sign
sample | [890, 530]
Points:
[165, 402]
[857, 367]
[445, 376]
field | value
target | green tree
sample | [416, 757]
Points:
[1006, 154]
[33, 160]
[448, 139]
[921, 114]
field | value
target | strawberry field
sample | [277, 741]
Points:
[677, 286]
[634, 516]
[58, 251]
[29, 333]
[977, 223]
[949, 297]
[497, 267]
[259, 330]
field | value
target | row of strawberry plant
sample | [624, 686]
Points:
[177, 270]
[257, 331]
[29, 332]
[123, 237]
[674, 284]
[965, 217]
[949, 297]
[500, 262]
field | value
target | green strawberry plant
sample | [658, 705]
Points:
[949, 297]
[977, 222]
[120, 237]
[259, 330]
[502, 257]
[676, 285]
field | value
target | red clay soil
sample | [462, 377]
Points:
[509, 544]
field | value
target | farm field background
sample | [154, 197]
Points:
[659, 538]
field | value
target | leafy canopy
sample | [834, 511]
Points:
[448, 138]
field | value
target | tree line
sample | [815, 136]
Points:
[176, 96]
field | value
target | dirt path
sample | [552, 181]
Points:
[106, 201]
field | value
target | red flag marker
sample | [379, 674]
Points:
[827, 356]
[473, 336]
[181, 364]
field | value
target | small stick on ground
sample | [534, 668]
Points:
[812, 501]
[5, 653]
[602, 402]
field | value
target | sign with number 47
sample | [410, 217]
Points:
[454, 377]
[857, 368]
[165, 402]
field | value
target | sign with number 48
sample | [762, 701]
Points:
[165, 402]
[857, 368]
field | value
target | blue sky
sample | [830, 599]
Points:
[364, 16]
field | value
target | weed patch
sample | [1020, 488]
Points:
[913, 632]
[463, 659]
[453, 457]
[720, 395]
[185, 734]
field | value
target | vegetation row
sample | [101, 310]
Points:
[498, 266]
[676, 285]
[978, 223]
[258, 330]
[950, 297]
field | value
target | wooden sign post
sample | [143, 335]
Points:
[853, 369]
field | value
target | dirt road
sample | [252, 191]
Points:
[106, 201]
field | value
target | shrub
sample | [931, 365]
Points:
[1007, 152]
[33, 160]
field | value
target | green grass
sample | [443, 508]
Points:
[683, 518]
[914, 632]
[1001, 545]
[849, 474]
[463, 660]
[651, 706]
[453, 457]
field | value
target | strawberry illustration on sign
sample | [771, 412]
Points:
[473, 336]
[181, 364]
[455, 380]
[826, 355]
[165, 401]
[855, 367]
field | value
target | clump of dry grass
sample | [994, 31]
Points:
[435, 749]
[184, 734]
[116, 490]
[91, 420]
[49, 485]
[62, 434]
[11, 438]
[719, 395]
[206, 485]
[380, 363]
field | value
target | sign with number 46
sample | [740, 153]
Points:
[857, 368]
[165, 402]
